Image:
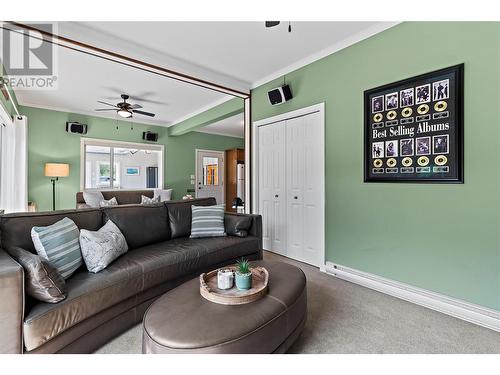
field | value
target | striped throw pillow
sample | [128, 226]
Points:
[207, 221]
[59, 244]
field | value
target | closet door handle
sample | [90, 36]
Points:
[295, 197]
[276, 196]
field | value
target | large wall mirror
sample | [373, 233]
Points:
[150, 120]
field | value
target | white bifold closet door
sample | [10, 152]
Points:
[291, 187]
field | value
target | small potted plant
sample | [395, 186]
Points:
[243, 275]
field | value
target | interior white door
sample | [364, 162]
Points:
[210, 175]
[272, 186]
[305, 188]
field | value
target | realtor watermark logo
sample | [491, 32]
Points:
[28, 57]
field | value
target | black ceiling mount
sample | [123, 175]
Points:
[276, 23]
[272, 23]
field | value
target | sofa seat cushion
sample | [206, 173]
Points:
[176, 258]
[88, 294]
[131, 274]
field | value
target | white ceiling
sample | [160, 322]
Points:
[232, 126]
[83, 80]
[240, 55]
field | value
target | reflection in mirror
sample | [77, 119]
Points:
[234, 162]
[119, 104]
[133, 167]
[210, 171]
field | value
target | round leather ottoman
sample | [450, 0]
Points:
[182, 321]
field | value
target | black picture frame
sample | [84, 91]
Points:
[443, 85]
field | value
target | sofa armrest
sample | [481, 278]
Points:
[11, 305]
[255, 227]
[79, 206]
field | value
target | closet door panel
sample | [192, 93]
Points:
[271, 186]
[279, 200]
[313, 192]
[265, 185]
[295, 186]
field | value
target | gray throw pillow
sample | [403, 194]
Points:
[101, 248]
[59, 244]
[207, 221]
[42, 280]
[164, 194]
[93, 198]
[237, 225]
[109, 202]
[147, 200]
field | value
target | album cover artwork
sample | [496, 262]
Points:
[414, 129]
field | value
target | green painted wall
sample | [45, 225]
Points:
[48, 142]
[220, 112]
[444, 238]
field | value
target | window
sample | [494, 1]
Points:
[210, 171]
[135, 165]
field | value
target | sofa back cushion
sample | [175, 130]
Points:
[15, 229]
[140, 224]
[179, 214]
[122, 196]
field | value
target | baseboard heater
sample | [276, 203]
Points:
[469, 312]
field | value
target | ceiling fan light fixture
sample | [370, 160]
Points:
[124, 113]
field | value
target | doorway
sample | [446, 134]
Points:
[289, 183]
[210, 174]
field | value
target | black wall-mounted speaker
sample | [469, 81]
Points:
[149, 136]
[76, 128]
[280, 95]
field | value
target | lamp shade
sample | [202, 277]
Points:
[56, 170]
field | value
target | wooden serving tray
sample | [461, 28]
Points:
[233, 296]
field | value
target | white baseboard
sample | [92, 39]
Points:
[457, 308]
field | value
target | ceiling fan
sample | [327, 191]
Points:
[125, 109]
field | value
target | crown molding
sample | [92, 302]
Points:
[201, 110]
[95, 114]
[353, 39]
[201, 130]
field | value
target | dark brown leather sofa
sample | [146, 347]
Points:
[100, 306]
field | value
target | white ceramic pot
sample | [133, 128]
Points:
[225, 279]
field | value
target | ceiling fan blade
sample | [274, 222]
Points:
[143, 98]
[272, 23]
[135, 106]
[144, 113]
[150, 101]
[112, 105]
[105, 109]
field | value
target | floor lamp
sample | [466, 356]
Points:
[55, 170]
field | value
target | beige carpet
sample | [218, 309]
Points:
[348, 318]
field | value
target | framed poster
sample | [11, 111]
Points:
[132, 171]
[414, 129]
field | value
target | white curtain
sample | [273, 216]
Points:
[13, 163]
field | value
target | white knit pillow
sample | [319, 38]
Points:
[93, 198]
[102, 247]
[164, 194]
[147, 200]
[109, 202]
